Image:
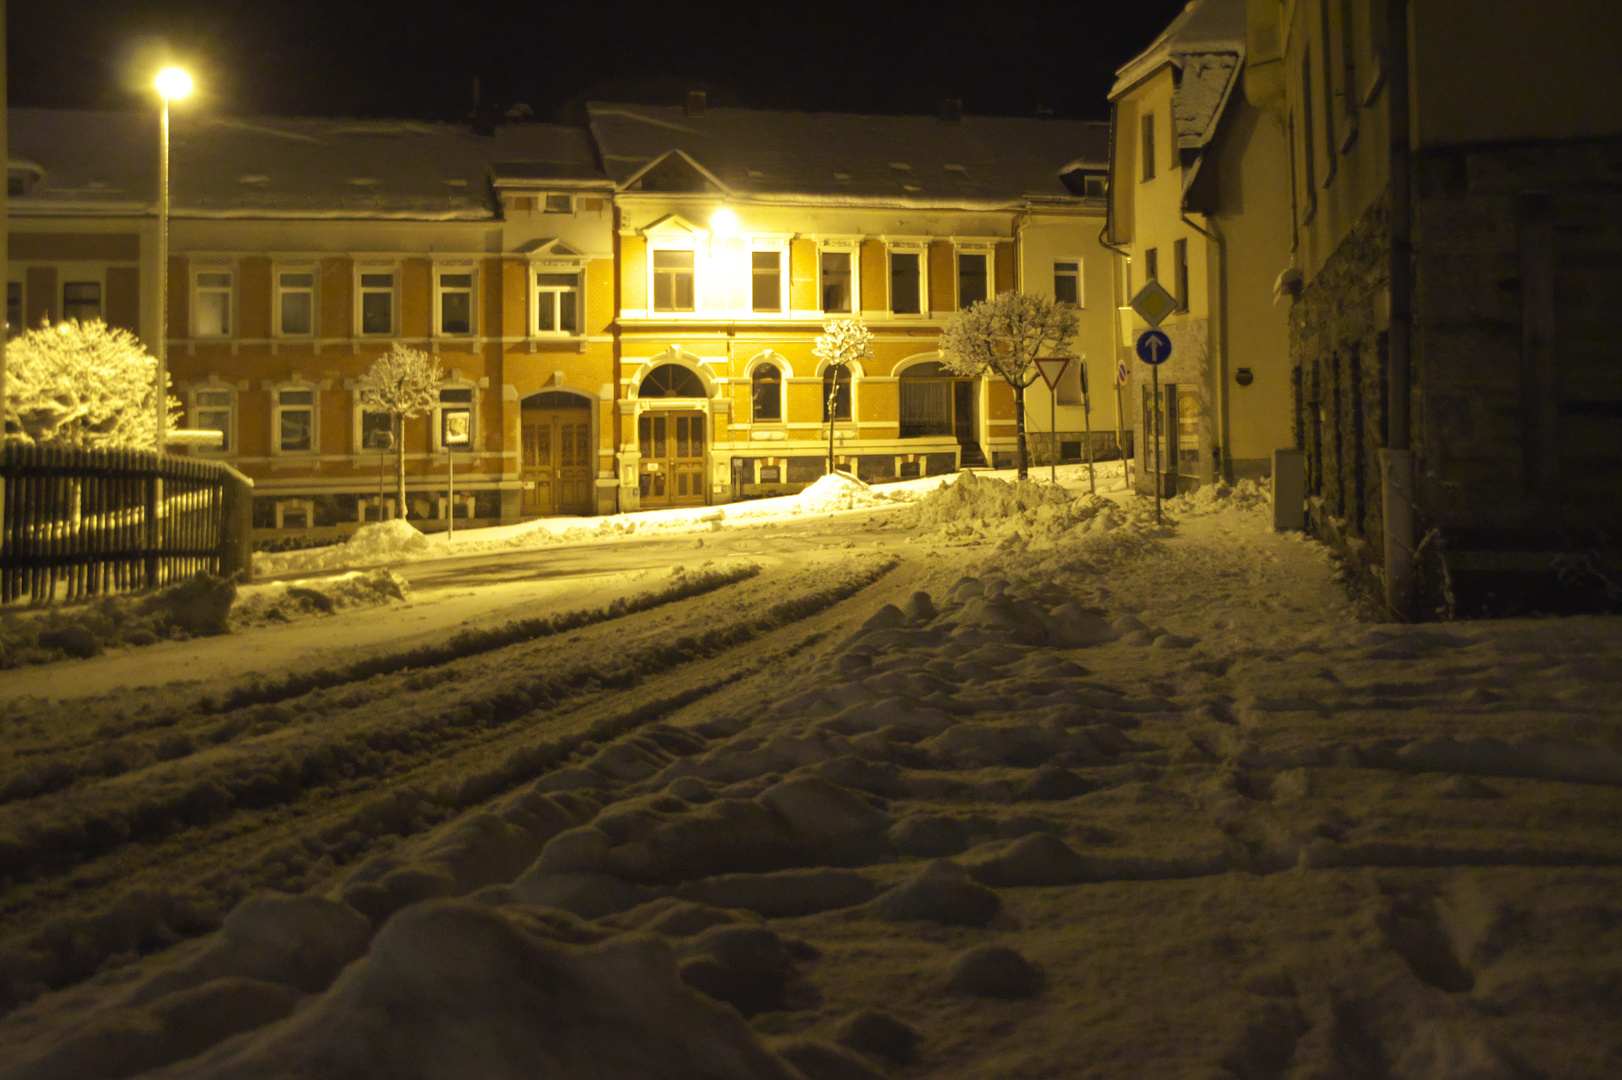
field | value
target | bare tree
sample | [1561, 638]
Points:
[403, 382]
[1005, 336]
[841, 343]
[82, 384]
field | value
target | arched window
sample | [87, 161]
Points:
[841, 396]
[926, 400]
[670, 380]
[768, 393]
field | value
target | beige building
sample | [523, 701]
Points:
[1197, 174]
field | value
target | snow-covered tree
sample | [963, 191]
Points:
[841, 343]
[82, 384]
[1005, 336]
[403, 382]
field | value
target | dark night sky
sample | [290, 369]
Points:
[370, 58]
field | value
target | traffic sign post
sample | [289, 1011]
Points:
[1087, 426]
[1154, 348]
[1121, 374]
[1052, 370]
[1153, 303]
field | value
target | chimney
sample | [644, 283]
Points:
[695, 103]
[951, 109]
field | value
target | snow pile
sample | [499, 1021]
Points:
[280, 601]
[1211, 498]
[186, 609]
[839, 491]
[978, 508]
[382, 542]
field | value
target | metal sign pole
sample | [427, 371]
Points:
[1159, 475]
[1087, 425]
[1053, 435]
[450, 504]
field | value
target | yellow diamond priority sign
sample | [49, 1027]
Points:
[1154, 303]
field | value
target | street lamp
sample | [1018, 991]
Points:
[172, 84]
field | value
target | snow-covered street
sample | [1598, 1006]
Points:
[988, 781]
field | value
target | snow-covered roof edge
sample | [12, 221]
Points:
[1203, 26]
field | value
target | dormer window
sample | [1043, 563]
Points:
[20, 179]
[559, 204]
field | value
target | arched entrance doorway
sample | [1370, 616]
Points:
[671, 441]
[938, 403]
[559, 462]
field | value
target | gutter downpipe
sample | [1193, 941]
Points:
[1214, 235]
[1396, 457]
[1105, 236]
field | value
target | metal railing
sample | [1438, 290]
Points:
[76, 523]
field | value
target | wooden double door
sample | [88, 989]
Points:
[560, 464]
[672, 447]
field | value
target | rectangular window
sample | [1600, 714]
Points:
[1146, 149]
[560, 204]
[456, 417]
[1067, 282]
[673, 281]
[81, 300]
[557, 303]
[456, 303]
[971, 280]
[766, 273]
[295, 297]
[295, 420]
[211, 411]
[14, 308]
[377, 303]
[1309, 146]
[376, 427]
[1179, 252]
[1094, 187]
[1151, 265]
[905, 288]
[836, 283]
[213, 316]
[1327, 53]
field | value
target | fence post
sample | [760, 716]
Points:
[154, 524]
[236, 532]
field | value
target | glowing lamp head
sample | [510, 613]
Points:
[173, 83]
[724, 221]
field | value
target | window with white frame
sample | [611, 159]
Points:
[906, 282]
[973, 278]
[453, 429]
[294, 419]
[211, 311]
[1067, 281]
[673, 279]
[81, 300]
[455, 302]
[766, 280]
[559, 204]
[766, 391]
[295, 303]
[376, 302]
[374, 425]
[213, 408]
[557, 303]
[838, 281]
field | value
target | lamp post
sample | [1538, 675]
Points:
[172, 84]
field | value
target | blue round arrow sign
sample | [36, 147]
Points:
[1153, 347]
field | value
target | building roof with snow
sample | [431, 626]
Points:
[1205, 43]
[774, 156]
[107, 163]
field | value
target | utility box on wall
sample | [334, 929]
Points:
[1289, 489]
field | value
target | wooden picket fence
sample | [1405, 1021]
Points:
[76, 523]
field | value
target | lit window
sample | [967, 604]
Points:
[376, 426]
[456, 418]
[557, 303]
[377, 303]
[560, 204]
[212, 411]
[14, 308]
[971, 280]
[767, 384]
[456, 303]
[905, 287]
[1067, 282]
[836, 283]
[81, 300]
[213, 312]
[1147, 149]
[673, 281]
[295, 421]
[766, 268]
[841, 395]
[295, 298]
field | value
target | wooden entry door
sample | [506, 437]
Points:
[558, 461]
[672, 446]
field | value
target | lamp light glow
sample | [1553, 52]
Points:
[173, 83]
[724, 221]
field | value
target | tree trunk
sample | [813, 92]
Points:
[399, 466]
[833, 417]
[1019, 426]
